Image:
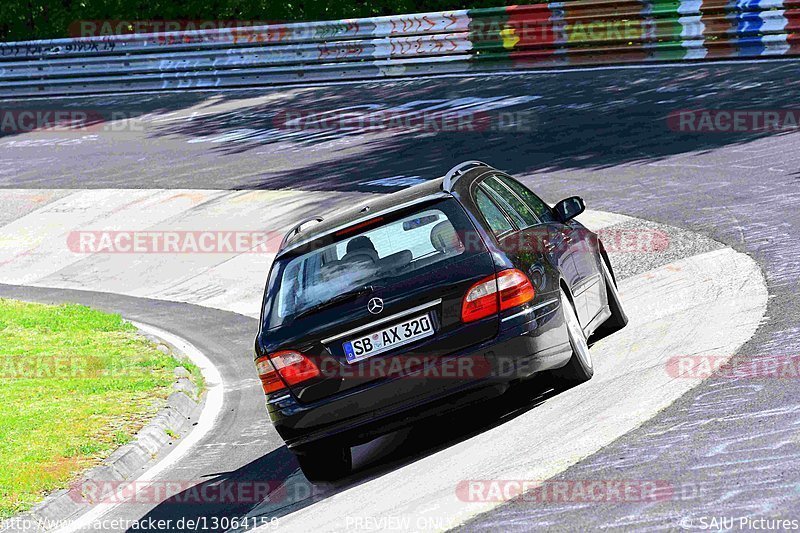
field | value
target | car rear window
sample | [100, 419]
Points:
[405, 246]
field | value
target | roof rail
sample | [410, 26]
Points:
[296, 229]
[457, 171]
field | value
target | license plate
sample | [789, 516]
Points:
[387, 339]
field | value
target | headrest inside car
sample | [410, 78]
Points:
[444, 238]
[360, 243]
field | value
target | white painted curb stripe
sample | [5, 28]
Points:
[208, 418]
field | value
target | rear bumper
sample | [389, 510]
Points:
[351, 431]
[526, 344]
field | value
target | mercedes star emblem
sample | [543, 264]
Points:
[375, 306]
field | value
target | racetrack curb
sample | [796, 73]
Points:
[170, 425]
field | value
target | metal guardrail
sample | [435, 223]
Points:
[585, 32]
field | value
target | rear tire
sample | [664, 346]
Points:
[618, 318]
[325, 462]
[580, 367]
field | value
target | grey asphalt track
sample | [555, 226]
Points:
[603, 134]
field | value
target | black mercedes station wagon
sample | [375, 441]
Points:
[422, 302]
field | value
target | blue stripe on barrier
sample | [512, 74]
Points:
[749, 23]
[756, 4]
[750, 46]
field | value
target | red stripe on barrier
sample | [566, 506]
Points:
[721, 49]
[794, 43]
[793, 16]
[530, 28]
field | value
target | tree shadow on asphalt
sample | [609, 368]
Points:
[289, 491]
[575, 120]
[595, 119]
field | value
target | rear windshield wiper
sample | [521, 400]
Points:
[339, 298]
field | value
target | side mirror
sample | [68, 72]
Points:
[570, 208]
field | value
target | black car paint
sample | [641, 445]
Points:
[448, 283]
[532, 337]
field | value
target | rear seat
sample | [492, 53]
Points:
[446, 242]
[396, 261]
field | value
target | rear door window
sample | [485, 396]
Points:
[534, 203]
[494, 217]
[522, 214]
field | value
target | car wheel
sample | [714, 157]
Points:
[580, 367]
[325, 462]
[618, 318]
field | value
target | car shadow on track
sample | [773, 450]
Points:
[273, 485]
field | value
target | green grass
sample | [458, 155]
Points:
[75, 384]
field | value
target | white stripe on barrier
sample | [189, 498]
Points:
[775, 45]
[773, 21]
[374, 48]
[688, 7]
[692, 27]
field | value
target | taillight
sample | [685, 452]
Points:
[515, 289]
[480, 300]
[493, 294]
[270, 380]
[292, 366]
